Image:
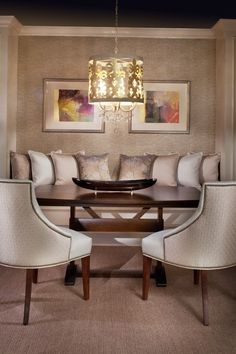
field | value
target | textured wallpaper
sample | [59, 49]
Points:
[164, 59]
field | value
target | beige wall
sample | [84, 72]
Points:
[164, 59]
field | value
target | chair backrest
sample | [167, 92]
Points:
[27, 238]
[208, 238]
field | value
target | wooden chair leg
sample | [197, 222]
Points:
[196, 275]
[35, 276]
[204, 297]
[85, 274]
[147, 263]
[28, 288]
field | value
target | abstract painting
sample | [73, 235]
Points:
[165, 108]
[66, 107]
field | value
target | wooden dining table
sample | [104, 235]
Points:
[154, 197]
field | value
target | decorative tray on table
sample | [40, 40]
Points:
[127, 185]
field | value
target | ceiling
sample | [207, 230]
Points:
[149, 13]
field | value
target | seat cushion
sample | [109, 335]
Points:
[81, 244]
[153, 245]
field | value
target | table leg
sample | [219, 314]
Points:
[72, 217]
[160, 275]
[70, 276]
[71, 269]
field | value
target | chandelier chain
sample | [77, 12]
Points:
[116, 27]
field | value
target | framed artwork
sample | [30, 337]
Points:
[165, 108]
[66, 107]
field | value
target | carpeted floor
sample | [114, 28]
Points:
[115, 320]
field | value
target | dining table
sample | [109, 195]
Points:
[155, 197]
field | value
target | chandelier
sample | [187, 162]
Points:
[115, 82]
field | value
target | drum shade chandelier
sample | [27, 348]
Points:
[116, 82]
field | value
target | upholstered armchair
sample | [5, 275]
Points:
[30, 241]
[207, 241]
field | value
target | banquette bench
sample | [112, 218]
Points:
[189, 170]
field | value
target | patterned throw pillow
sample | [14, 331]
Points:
[20, 166]
[136, 167]
[94, 167]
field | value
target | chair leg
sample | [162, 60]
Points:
[35, 276]
[85, 274]
[204, 297]
[147, 263]
[28, 288]
[196, 275]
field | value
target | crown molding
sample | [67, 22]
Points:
[10, 23]
[225, 28]
[181, 33]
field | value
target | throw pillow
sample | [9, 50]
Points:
[94, 167]
[209, 169]
[20, 166]
[136, 167]
[188, 170]
[165, 170]
[66, 167]
[42, 168]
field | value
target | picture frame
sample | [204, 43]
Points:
[166, 108]
[66, 107]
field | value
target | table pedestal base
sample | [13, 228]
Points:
[160, 275]
[72, 272]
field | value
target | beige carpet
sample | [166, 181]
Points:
[116, 320]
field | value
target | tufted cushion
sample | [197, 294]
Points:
[42, 168]
[94, 167]
[188, 171]
[20, 166]
[136, 167]
[165, 170]
[66, 167]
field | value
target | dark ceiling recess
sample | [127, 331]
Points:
[149, 13]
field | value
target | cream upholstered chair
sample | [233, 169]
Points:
[30, 241]
[206, 241]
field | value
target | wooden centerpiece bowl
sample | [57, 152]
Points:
[123, 185]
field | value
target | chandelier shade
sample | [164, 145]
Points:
[115, 79]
